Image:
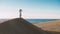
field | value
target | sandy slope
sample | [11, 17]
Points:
[19, 26]
[50, 26]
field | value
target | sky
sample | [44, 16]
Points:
[31, 9]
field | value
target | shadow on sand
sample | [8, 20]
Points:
[19, 26]
[52, 32]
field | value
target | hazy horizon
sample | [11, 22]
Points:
[32, 9]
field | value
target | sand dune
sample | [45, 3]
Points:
[19, 26]
[52, 27]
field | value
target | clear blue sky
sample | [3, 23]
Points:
[42, 9]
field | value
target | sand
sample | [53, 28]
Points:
[19, 26]
[50, 27]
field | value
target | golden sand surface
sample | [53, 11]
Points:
[50, 26]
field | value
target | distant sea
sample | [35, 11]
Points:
[40, 20]
[34, 20]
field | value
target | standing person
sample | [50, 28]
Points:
[20, 12]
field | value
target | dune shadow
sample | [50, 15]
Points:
[19, 26]
[52, 32]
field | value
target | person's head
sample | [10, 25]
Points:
[20, 10]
